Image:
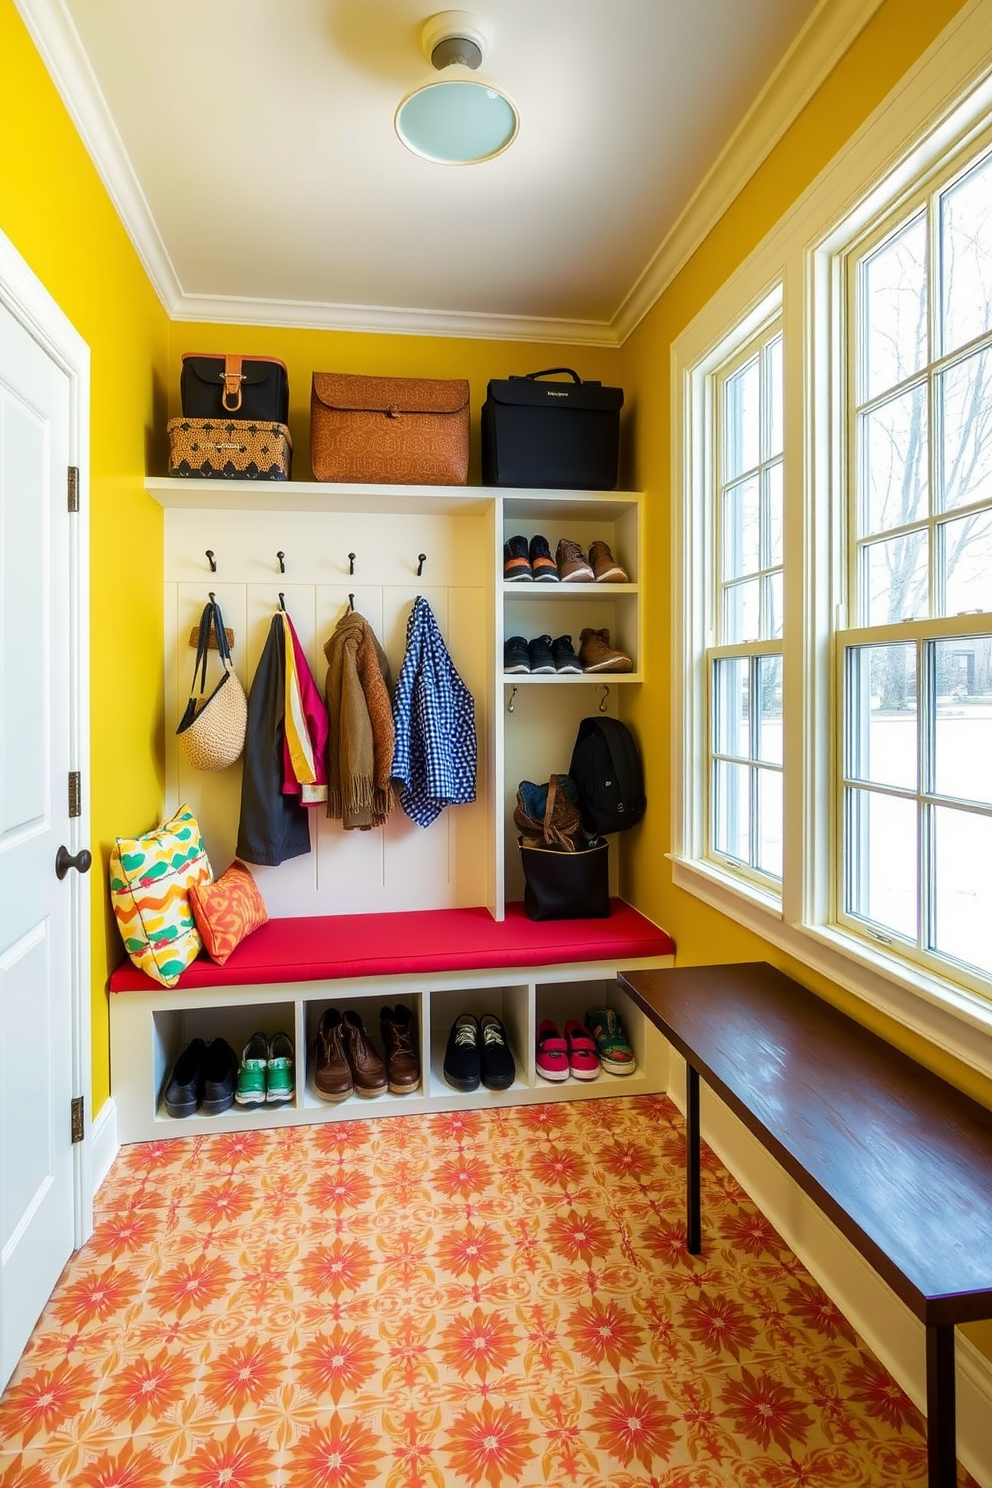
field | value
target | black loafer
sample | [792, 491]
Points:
[461, 1057]
[220, 1076]
[498, 1069]
[185, 1088]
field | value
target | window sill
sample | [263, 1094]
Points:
[954, 1020]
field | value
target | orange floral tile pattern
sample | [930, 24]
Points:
[462, 1300]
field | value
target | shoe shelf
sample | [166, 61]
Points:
[149, 1033]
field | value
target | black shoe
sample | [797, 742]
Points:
[220, 1076]
[539, 651]
[516, 560]
[564, 656]
[497, 1067]
[516, 657]
[185, 1088]
[543, 566]
[462, 1067]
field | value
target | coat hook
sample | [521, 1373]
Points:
[282, 601]
[351, 563]
[420, 565]
[511, 705]
[351, 603]
[282, 561]
[603, 700]
[212, 597]
[213, 560]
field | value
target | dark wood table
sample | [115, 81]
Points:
[899, 1159]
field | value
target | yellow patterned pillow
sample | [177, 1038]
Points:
[150, 880]
[227, 910]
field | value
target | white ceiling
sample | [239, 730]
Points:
[249, 146]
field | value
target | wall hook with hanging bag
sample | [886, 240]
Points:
[211, 731]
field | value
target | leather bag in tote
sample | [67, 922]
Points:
[389, 430]
[229, 449]
[237, 387]
[211, 732]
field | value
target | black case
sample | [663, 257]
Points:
[551, 434]
[263, 389]
[608, 773]
[566, 885]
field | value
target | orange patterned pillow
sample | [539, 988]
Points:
[227, 910]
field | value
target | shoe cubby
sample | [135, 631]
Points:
[171, 1030]
[368, 1008]
[561, 1000]
[512, 1005]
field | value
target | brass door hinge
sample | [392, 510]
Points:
[75, 794]
[77, 1118]
[73, 487]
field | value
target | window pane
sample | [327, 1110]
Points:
[880, 715]
[896, 482]
[963, 842]
[775, 398]
[773, 533]
[963, 730]
[966, 256]
[881, 860]
[895, 309]
[732, 816]
[895, 578]
[966, 563]
[740, 612]
[741, 530]
[730, 690]
[966, 393]
[742, 419]
[769, 710]
[770, 822]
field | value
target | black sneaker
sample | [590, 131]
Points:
[461, 1058]
[220, 1077]
[185, 1088]
[498, 1069]
[539, 651]
[564, 656]
[516, 560]
[543, 566]
[516, 657]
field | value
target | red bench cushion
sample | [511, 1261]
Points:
[330, 947]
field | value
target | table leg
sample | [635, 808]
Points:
[694, 1233]
[942, 1468]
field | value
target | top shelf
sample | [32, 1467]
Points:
[175, 493]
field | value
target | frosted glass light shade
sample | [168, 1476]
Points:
[459, 118]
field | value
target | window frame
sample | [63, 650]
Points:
[942, 106]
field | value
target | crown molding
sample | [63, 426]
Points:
[828, 33]
[390, 320]
[53, 32]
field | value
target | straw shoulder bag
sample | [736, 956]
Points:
[212, 729]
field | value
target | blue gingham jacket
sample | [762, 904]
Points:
[434, 714]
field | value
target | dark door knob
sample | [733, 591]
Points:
[64, 860]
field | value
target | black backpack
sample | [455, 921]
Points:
[606, 768]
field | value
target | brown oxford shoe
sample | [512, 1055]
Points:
[332, 1072]
[368, 1072]
[399, 1038]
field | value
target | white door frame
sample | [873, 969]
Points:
[29, 302]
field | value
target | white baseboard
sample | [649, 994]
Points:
[886, 1325]
[104, 1145]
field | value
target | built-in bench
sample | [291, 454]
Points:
[440, 962]
[900, 1160]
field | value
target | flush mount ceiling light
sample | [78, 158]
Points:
[459, 117]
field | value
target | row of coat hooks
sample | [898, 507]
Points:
[511, 706]
[194, 635]
[281, 556]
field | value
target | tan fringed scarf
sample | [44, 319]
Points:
[361, 738]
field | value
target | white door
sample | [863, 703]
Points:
[38, 911]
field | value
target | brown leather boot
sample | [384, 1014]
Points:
[331, 1072]
[399, 1037]
[597, 655]
[367, 1070]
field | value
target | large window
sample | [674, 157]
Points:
[915, 865]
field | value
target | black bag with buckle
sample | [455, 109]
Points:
[609, 776]
[234, 387]
[551, 434]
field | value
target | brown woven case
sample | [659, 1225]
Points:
[229, 449]
[389, 430]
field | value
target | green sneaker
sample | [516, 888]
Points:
[615, 1053]
[280, 1082]
[251, 1072]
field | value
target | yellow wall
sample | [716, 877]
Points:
[57, 214]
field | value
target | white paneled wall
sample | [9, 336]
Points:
[400, 866]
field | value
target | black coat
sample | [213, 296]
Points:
[273, 826]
